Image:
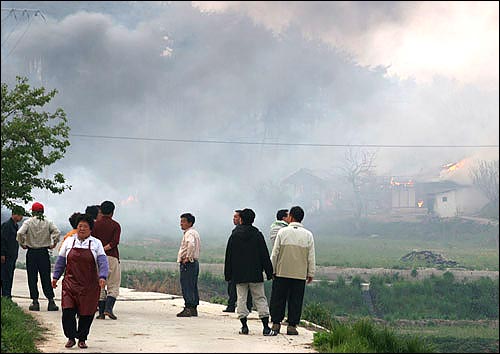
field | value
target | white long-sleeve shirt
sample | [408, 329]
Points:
[190, 246]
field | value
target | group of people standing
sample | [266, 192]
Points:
[88, 257]
[290, 266]
[89, 260]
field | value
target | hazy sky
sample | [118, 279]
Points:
[407, 73]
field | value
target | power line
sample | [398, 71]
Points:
[276, 143]
[25, 13]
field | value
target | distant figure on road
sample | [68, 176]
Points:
[231, 285]
[280, 222]
[10, 249]
[246, 259]
[108, 232]
[38, 235]
[189, 268]
[294, 262]
[85, 266]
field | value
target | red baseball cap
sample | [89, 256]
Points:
[37, 207]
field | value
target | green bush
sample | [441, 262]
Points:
[19, 330]
[363, 337]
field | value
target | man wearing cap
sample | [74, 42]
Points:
[10, 249]
[38, 235]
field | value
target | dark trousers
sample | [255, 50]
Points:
[287, 290]
[69, 324]
[231, 291]
[38, 261]
[8, 275]
[189, 283]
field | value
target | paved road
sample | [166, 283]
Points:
[147, 323]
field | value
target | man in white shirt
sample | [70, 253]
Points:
[189, 268]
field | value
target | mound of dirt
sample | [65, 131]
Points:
[429, 258]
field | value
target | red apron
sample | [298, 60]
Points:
[80, 286]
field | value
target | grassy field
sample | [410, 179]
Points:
[379, 245]
[457, 338]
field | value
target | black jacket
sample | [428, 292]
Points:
[247, 256]
[9, 245]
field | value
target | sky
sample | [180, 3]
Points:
[382, 73]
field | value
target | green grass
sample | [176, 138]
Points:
[20, 331]
[379, 245]
[363, 336]
[436, 297]
[456, 338]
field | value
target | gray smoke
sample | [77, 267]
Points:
[171, 71]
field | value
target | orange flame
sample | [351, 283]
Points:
[420, 203]
[454, 166]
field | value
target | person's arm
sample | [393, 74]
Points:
[3, 243]
[115, 240]
[191, 244]
[102, 264]
[55, 234]
[60, 264]
[228, 271]
[264, 255]
[21, 234]
[276, 250]
[311, 261]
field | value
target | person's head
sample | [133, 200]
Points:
[282, 214]
[107, 208]
[99, 212]
[73, 219]
[237, 217]
[247, 216]
[296, 214]
[84, 225]
[17, 213]
[187, 221]
[92, 210]
[37, 208]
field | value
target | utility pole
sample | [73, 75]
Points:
[14, 13]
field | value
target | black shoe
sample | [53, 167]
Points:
[70, 343]
[269, 332]
[194, 312]
[110, 314]
[229, 309]
[52, 306]
[35, 306]
[244, 330]
[101, 316]
[185, 313]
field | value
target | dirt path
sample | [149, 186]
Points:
[147, 323]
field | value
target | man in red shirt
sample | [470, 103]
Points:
[108, 231]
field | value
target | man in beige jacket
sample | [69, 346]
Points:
[293, 260]
[38, 235]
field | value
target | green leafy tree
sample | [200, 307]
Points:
[31, 140]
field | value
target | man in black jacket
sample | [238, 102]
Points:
[246, 258]
[231, 285]
[9, 250]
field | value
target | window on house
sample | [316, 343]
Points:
[445, 199]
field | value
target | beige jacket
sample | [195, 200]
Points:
[37, 233]
[293, 253]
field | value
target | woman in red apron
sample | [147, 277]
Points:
[80, 257]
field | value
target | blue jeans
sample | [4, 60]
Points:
[189, 283]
